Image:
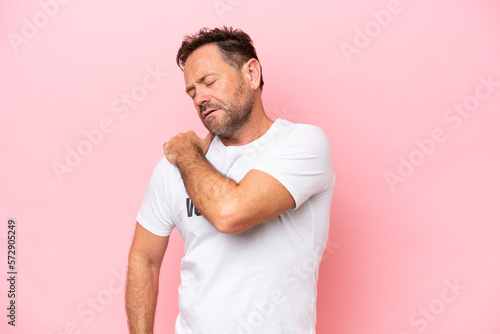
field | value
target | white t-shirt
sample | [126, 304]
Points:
[264, 279]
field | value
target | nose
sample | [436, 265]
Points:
[201, 97]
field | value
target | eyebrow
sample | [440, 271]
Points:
[191, 87]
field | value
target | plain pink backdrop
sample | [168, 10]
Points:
[416, 205]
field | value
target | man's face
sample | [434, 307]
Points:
[223, 98]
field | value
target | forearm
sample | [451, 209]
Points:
[229, 206]
[141, 296]
[214, 194]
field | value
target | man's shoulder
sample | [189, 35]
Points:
[300, 131]
[164, 164]
[287, 125]
[164, 169]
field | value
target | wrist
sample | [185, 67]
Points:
[189, 157]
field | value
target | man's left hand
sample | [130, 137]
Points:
[185, 146]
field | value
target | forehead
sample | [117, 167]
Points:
[206, 59]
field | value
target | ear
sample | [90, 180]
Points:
[252, 71]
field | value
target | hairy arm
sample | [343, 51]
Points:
[145, 257]
[231, 207]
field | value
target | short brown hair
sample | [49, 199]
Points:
[234, 44]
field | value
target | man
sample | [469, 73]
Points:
[251, 201]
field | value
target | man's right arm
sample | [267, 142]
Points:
[144, 262]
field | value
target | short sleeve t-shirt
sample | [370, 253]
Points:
[264, 279]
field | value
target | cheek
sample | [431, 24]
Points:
[223, 89]
[222, 93]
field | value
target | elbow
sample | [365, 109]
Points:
[228, 226]
[230, 221]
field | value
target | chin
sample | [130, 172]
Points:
[215, 127]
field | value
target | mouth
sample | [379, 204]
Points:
[208, 112]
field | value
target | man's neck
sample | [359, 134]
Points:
[256, 126]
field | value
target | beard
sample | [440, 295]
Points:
[234, 115]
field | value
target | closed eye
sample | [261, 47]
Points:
[191, 91]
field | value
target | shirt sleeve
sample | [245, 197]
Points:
[155, 212]
[301, 160]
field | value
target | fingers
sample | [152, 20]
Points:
[208, 138]
[206, 142]
[185, 145]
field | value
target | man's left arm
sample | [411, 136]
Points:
[231, 207]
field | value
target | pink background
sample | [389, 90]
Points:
[416, 205]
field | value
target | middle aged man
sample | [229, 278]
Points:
[251, 200]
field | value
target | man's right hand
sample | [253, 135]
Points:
[185, 146]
